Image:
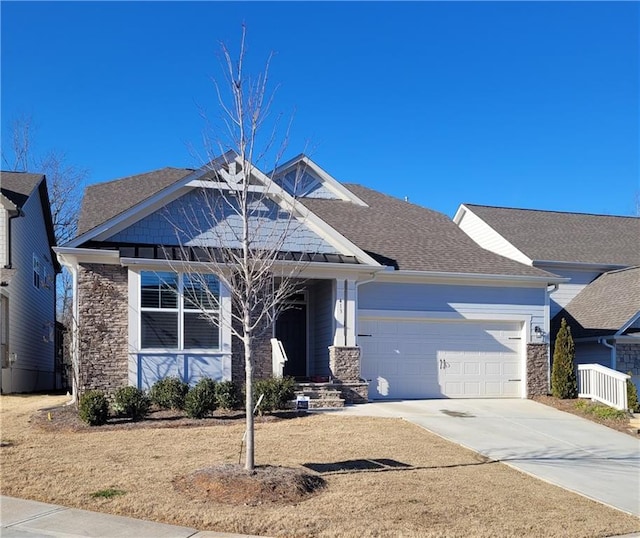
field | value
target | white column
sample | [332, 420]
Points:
[350, 315]
[339, 310]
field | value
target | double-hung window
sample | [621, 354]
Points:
[179, 311]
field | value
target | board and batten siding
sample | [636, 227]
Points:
[31, 309]
[321, 331]
[483, 234]
[456, 301]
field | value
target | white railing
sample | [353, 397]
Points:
[278, 357]
[603, 385]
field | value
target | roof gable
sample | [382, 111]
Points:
[18, 186]
[605, 306]
[566, 237]
[104, 201]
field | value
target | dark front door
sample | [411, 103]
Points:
[291, 330]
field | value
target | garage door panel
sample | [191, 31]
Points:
[431, 359]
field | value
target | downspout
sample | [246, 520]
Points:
[17, 214]
[548, 329]
[604, 342]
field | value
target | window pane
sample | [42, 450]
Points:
[158, 290]
[159, 329]
[201, 292]
[199, 332]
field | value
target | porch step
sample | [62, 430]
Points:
[321, 395]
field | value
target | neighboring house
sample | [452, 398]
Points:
[605, 322]
[27, 284]
[596, 253]
[398, 302]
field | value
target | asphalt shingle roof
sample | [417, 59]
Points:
[18, 186]
[566, 237]
[604, 305]
[104, 201]
[411, 237]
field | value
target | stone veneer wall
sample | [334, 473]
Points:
[628, 358]
[537, 370]
[103, 327]
[262, 365]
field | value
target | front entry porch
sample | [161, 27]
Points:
[317, 334]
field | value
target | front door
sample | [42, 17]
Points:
[291, 330]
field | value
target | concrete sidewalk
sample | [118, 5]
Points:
[560, 448]
[20, 518]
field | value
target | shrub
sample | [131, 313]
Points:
[563, 375]
[632, 396]
[201, 399]
[600, 410]
[169, 392]
[93, 408]
[277, 393]
[132, 402]
[228, 395]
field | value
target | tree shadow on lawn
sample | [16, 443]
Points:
[382, 465]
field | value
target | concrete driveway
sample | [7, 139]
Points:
[563, 449]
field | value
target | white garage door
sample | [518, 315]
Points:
[441, 359]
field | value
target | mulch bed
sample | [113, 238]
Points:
[569, 406]
[66, 419]
[232, 484]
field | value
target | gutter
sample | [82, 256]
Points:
[477, 276]
[604, 342]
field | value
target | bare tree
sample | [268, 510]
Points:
[239, 227]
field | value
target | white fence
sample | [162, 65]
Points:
[603, 385]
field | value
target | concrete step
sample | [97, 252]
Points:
[324, 394]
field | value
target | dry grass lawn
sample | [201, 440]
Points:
[445, 491]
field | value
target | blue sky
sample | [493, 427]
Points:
[500, 103]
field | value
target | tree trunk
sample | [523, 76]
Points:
[248, 369]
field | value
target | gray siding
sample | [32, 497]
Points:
[3, 236]
[567, 291]
[194, 220]
[455, 300]
[321, 330]
[592, 353]
[31, 309]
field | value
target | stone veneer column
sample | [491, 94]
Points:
[103, 303]
[537, 370]
[344, 363]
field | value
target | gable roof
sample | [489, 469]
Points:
[411, 237]
[104, 201]
[604, 306]
[18, 186]
[566, 237]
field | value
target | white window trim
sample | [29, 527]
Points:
[135, 325]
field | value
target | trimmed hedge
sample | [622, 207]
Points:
[277, 393]
[93, 408]
[228, 395]
[132, 402]
[169, 393]
[201, 399]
